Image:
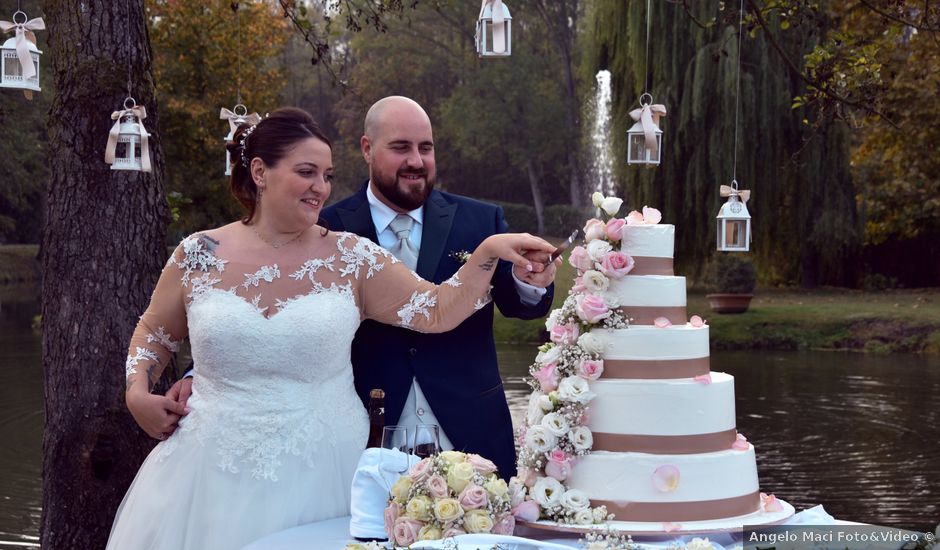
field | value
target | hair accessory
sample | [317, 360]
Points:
[244, 141]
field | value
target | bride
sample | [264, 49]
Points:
[270, 305]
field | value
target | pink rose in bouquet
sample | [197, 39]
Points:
[559, 465]
[615, 228]
[437, 486]
[473, 497]
[547, 377]
[579, 259]
[591, 308]
[480, 464]
[527, 510]
[405, 531]
[505, 524]
[565, 334]
[616, 264]
[453, 531]
[594, 229]
[392, 512]
[420, 471]
[591, 369]
[527, 476]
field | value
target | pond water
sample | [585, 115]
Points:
[857, 433]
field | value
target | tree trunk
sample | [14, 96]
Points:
[537, 200]
[102, 251]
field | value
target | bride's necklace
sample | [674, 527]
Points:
[274, 244]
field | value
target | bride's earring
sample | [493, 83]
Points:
[258, 195]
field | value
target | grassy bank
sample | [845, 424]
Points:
[786, 319]
[18, 263]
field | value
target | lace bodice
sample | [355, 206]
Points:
[271, 343]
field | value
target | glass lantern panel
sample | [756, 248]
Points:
[12, 70]
[637, 152]
[735, 235]
[228, 163]
[486, 38]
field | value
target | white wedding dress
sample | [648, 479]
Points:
[275, 428]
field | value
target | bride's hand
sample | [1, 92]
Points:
[512, 247]
[155, 414]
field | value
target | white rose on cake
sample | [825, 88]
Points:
[539, 439]
[548, 356]
[556, 424]
[594, 281]
[535, 413]
[546, 404]
[591, 343]
[611, 205]
[597, 198]
[575, 500]
[597, 249]
[576, 389]
[548, 492]
[584, 517]
[552, 319]
[581, 437]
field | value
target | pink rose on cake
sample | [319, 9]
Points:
[547, 377]
[526, 511]
[559, 465]
[594, 229]
[591, 308]
[591, 369]
[614, 228]
[505, 524]
[579, 259]
[565, 334]
[616, 264]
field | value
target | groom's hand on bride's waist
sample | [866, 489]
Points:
[180, 392]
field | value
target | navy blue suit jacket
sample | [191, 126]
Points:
[457, 370]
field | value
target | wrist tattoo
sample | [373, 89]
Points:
[489, 264]
[151, 377]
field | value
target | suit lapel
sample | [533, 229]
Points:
[438, 219]
[357, 218]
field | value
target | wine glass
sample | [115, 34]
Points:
[393, 438]
[427, 440]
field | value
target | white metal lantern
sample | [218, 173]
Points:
[236, 117]
[20, 56]
[644, 138]
[734, 221]
[128, 142]
[494, 30]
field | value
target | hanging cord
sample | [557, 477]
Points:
[737, 96]
[128, 41]
[238, 55]
[646, 74]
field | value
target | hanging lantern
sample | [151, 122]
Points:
[734, 221]
[236, 117]
[494, 30]
[128, 142]
[20, 56]
[645, 139]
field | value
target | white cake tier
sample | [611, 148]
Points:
[643, 298]
[663, 416]
[654, 343]
[657, 241]
[709, 485]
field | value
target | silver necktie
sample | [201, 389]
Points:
[404, 250]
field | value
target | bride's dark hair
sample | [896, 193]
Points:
[270, 140]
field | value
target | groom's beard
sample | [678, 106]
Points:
[402, 193]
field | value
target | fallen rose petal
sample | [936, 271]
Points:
[697, 321]
[770, 503]
[662, 322]
[704, 378]
[666, 478]
[669, 527]
[740, 444]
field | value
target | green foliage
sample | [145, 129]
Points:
[731, 274]
[560, 219]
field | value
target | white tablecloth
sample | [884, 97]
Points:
[334, 534]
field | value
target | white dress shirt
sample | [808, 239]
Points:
[416, 410]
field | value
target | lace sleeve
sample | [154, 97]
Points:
[393, 294]
[161, 328]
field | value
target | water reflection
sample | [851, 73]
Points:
[859, 434]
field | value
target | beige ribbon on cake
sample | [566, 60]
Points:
[141, 113]
[499, 36]
[728, 191]
[235, 120]
[648, 117]
[23, 33]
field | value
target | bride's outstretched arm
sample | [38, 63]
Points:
[393, 294]
[159, 332]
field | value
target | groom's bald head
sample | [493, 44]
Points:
[391, 111]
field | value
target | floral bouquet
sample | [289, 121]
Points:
[448, 494]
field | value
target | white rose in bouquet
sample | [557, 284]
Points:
[597, 249]
[556, 424]
[576, 389]
[611, 205]
[581, 437]
[539, 439]
[594, 281]
[517, 492]
[575, 500]
[548, 492]
[591, 343]
[477, 521]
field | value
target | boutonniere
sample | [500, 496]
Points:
[461, 256]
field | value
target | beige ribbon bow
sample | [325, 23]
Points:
[648, 117]
[235, 120]
[23, 33]
[141, 113]
[499, 30]
[728, 191]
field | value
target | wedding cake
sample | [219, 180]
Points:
[626, 421]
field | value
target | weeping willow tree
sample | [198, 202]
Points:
[806, 227]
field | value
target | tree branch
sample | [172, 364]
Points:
[896, 19]
[688, 11]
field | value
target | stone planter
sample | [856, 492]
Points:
[729, 303]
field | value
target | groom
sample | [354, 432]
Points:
[448, 379]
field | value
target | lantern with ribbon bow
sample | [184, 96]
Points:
[128, 142]
[20, 56]
[494, 30]
[734, 221]
[236, 117]
[644, 138]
